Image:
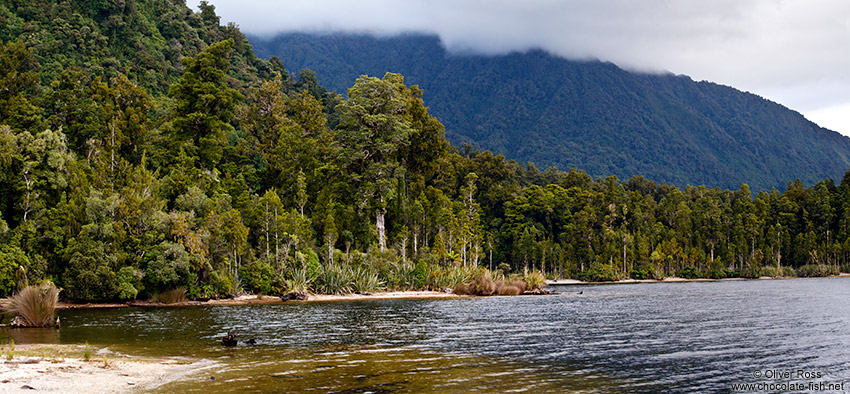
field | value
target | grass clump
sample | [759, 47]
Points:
[335, 279]
[170, 297]
[366, 280]
[534, 280]
[484, 283]
[35, 304]
[87, 352]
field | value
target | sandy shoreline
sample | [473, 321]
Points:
[61, 369]
[250, 299]
[264, 300]
[673, 279]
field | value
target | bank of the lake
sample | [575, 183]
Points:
[253, 299]
[62, 368]
[674, 279]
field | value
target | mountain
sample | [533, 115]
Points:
[589, 115]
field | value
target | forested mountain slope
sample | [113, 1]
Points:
[145, 150]
[588, 115]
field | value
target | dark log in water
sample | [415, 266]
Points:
[229, 339]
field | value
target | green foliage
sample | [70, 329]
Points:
[11, 258]
[90, 275]
[219, 284]
[600, 273]
[168, 265]
[420, 274]
[814, 270]
[769, 271]
[366, 280]
[335, 279]
[129, 283]
[257, 276]
[536, 107]
[642, 272]
[689, 273]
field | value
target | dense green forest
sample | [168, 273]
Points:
[540, 108]
[218, 172]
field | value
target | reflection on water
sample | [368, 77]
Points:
[671, 337]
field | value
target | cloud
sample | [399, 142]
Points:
[795, 52]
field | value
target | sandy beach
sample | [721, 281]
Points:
[61, 369]
[249, 299]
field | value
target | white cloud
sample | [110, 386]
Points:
[795, 52]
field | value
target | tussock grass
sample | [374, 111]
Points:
[483, 284]
[170, 297]
[534, 280]
[35, 304]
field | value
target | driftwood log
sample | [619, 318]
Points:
[295, 296]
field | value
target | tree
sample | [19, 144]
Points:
[372, 133]
[18, 83]
[205, 104]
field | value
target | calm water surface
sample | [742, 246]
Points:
[666, 337]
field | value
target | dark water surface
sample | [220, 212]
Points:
[666, 337]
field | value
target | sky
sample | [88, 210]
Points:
[794, 52]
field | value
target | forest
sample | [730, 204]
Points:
[537, 107]
[125, 173]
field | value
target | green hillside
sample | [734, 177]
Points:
[588, 115]
[146, 153]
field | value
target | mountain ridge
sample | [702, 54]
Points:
[591, 115]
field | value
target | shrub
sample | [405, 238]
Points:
[257, 276]
[420, 275]
[219, 285]
[642, 272]
[35, 304]
[11, 258]
[450, 276]
[689, 273]
[814, 270]
[769, 271]
[599, 273]
[167, 266]
[129, 283]
[89, 276]
[721, 273]
[788, 272]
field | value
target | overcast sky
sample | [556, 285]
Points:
[795, 52]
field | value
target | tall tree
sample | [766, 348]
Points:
[205, 104]
[373, 131]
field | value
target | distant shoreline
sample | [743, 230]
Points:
[252, 299]
[675, 279]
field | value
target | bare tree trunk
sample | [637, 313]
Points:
[624, 254]
[379, 223]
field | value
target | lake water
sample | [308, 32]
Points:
[665, 337]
